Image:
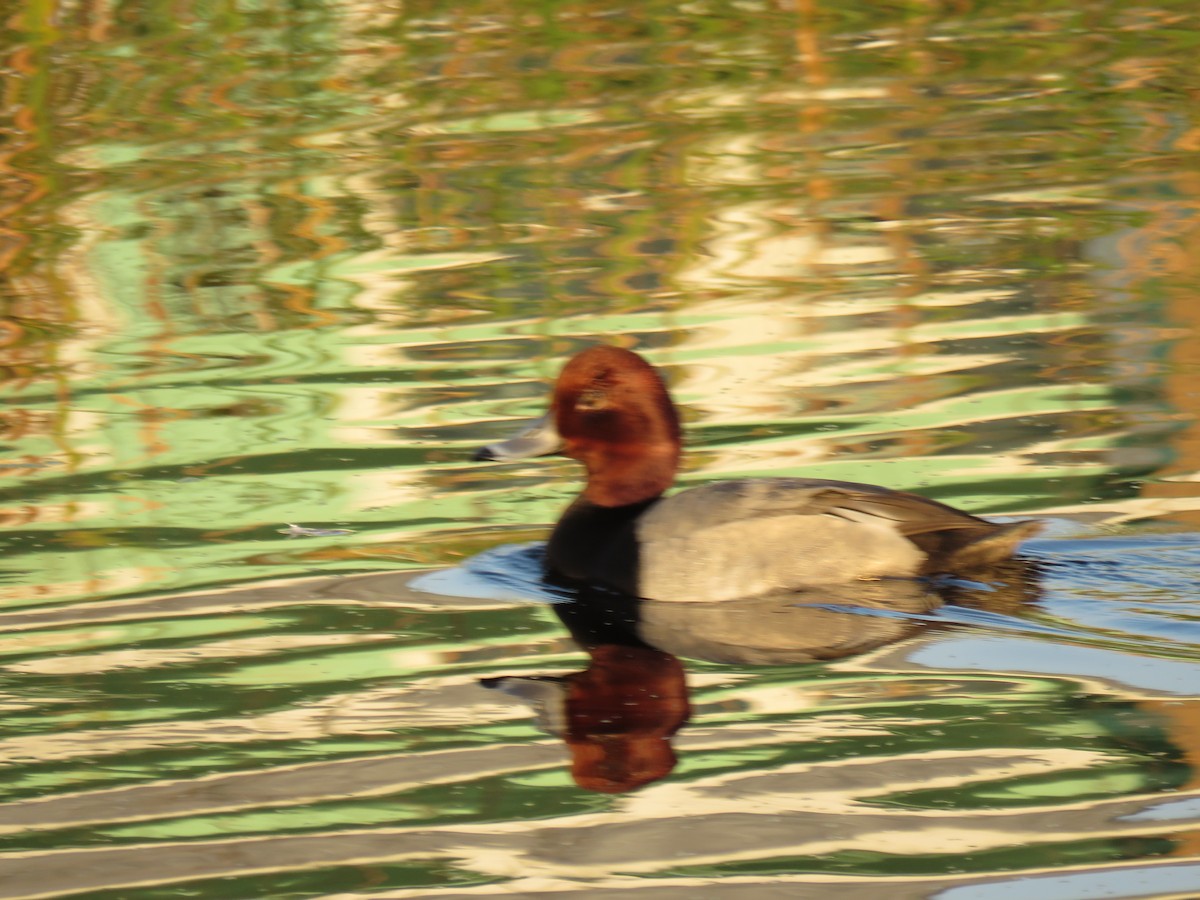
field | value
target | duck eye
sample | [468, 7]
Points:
[591, 399]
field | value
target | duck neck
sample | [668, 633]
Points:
[616, 478]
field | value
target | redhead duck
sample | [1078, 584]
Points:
[611, 411]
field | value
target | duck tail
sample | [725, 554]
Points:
[991, 548]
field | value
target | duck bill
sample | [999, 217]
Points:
[539, 439]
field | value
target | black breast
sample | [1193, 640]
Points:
[597, 544]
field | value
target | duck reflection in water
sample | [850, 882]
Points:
[618, 716]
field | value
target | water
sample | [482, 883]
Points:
[271, 272]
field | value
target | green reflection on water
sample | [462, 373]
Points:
[236, 302]
[375, 876]
[277, 264]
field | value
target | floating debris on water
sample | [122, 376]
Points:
[302, 531]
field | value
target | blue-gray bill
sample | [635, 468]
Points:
[539, 439]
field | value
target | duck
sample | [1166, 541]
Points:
[611, 410]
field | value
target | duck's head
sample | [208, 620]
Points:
[611, 411]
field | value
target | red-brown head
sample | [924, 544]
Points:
[613, 414]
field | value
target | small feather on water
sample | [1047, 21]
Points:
[302, 531]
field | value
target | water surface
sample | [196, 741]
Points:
[288, 264]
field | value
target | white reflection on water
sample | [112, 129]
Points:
[990, 653]
[1159, 880]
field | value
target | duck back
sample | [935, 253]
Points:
[748, 537]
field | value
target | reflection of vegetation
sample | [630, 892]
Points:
[372, 877]
[285, 263]
[323, 185]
